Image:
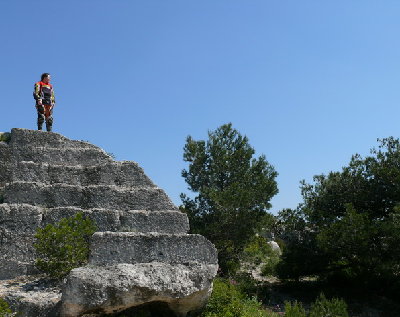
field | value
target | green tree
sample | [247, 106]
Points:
[63, 246]
[348, 225]
[301, 255]
[233, 189]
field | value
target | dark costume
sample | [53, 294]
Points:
[44, 92]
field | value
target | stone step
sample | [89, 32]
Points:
[21, 138]
[166, 221]
[32, 296]
[20, 218]
[19, 223]
[12, 268]
[16, 247]
[127, 174]
[25, 219]
[60, 156]
[88, 197]
[107, 248]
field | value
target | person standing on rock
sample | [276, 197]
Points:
[45, 101]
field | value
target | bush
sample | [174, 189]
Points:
[294, 310]
[270, 265]
[63, 246]
[247, 284]
[324, 307]
[5, 310]
[259, 251]
[228, 301]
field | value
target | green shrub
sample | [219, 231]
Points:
[228, 301]
[294, 310]
[258, 251]
[63, 246]
[322, 307]
[328, 308]
[247, 284]
[5, 310]
[270, 265]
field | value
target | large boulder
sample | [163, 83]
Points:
[115, 288]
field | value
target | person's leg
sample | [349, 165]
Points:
[49, 118]
[49, 124]
[41, 117]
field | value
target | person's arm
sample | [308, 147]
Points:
[53, 99]
[36, 94]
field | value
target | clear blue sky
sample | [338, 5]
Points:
[309, 82]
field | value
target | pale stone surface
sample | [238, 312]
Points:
[128, 247]
[23, 137]
[127, 174]
[96, 289]
[88, 197]
[275, 246]
[45, 177]
[163, 221]
[19, 222]
[31, 296]
[5, 163]
[61, 156]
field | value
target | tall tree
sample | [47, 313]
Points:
[351, 221]
[233, 189]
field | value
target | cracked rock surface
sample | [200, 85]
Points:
[141, 254]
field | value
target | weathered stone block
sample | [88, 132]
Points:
[115, 288]
[32, 296]
[103, 218]
[20, 218]
[11, 268]
[88, 197]
[127, 174]
[5, 164]
[24, 138]
[60, 156]
[170, 221]
[127, 247]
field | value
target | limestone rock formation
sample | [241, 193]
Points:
[142, 252]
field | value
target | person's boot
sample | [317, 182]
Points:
[39, 127]
[49, 128]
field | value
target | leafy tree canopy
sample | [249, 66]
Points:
[349, 221]
[233, 188]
